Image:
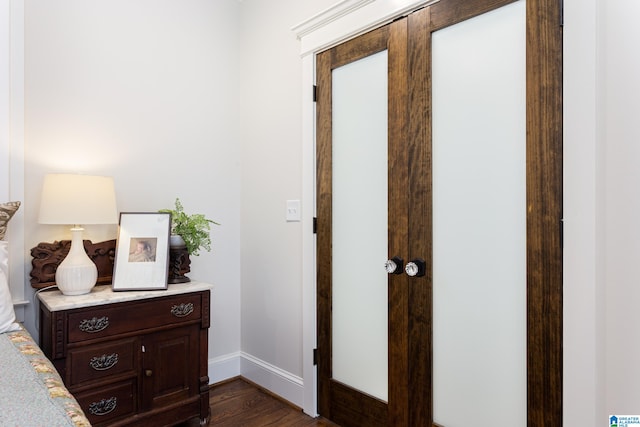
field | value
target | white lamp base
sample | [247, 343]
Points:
[76, 274]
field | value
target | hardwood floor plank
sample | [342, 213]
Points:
[238, 403]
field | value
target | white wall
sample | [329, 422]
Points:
[144, 91]
[602, 204]
[583, 389]
[12, 138]
[271, 174]
[620, 96]
[113, 86]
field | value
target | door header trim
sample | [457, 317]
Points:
[348, 19]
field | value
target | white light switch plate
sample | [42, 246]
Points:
[293, 211]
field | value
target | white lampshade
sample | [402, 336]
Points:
[78, 200]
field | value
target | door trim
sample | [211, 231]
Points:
[341, 28]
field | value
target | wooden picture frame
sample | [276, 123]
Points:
[142, 251]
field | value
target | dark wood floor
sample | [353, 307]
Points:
[239, 404]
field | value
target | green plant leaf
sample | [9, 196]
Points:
[195, 229]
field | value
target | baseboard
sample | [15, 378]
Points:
[224, 367]
[278, 381]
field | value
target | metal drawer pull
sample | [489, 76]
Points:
[103, 407]
[94, 325]
[182, 310]
[104, 362]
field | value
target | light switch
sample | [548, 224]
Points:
[293, 211]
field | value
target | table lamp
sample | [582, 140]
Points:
[77, 200]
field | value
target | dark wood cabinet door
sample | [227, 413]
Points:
[170, 367]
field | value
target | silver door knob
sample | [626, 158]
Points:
[415, 268]
[393, 265]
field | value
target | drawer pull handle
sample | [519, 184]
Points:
[94, 325]
[103, 407]
[182, 310]
[104, 362]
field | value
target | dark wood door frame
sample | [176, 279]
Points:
[393, 38]
[412, 379]
[544, 198]
[544, 207]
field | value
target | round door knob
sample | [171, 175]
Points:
[393, 265]
[415, 268]
[148, 372]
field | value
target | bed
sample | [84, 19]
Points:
[32, 393]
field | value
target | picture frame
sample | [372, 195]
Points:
[142, 251]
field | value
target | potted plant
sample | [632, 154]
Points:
[189, 234]
[194, 229]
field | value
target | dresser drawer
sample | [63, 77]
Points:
[114, 319]
[99, 361]
[108, 403]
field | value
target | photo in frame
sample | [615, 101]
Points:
[142, 251]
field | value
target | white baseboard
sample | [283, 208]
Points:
[224, 367]
[278, 381]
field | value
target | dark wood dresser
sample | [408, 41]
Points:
[132, 358]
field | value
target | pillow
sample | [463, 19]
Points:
[7, 315]
[6, 212]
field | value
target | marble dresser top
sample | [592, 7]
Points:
[100, 295]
